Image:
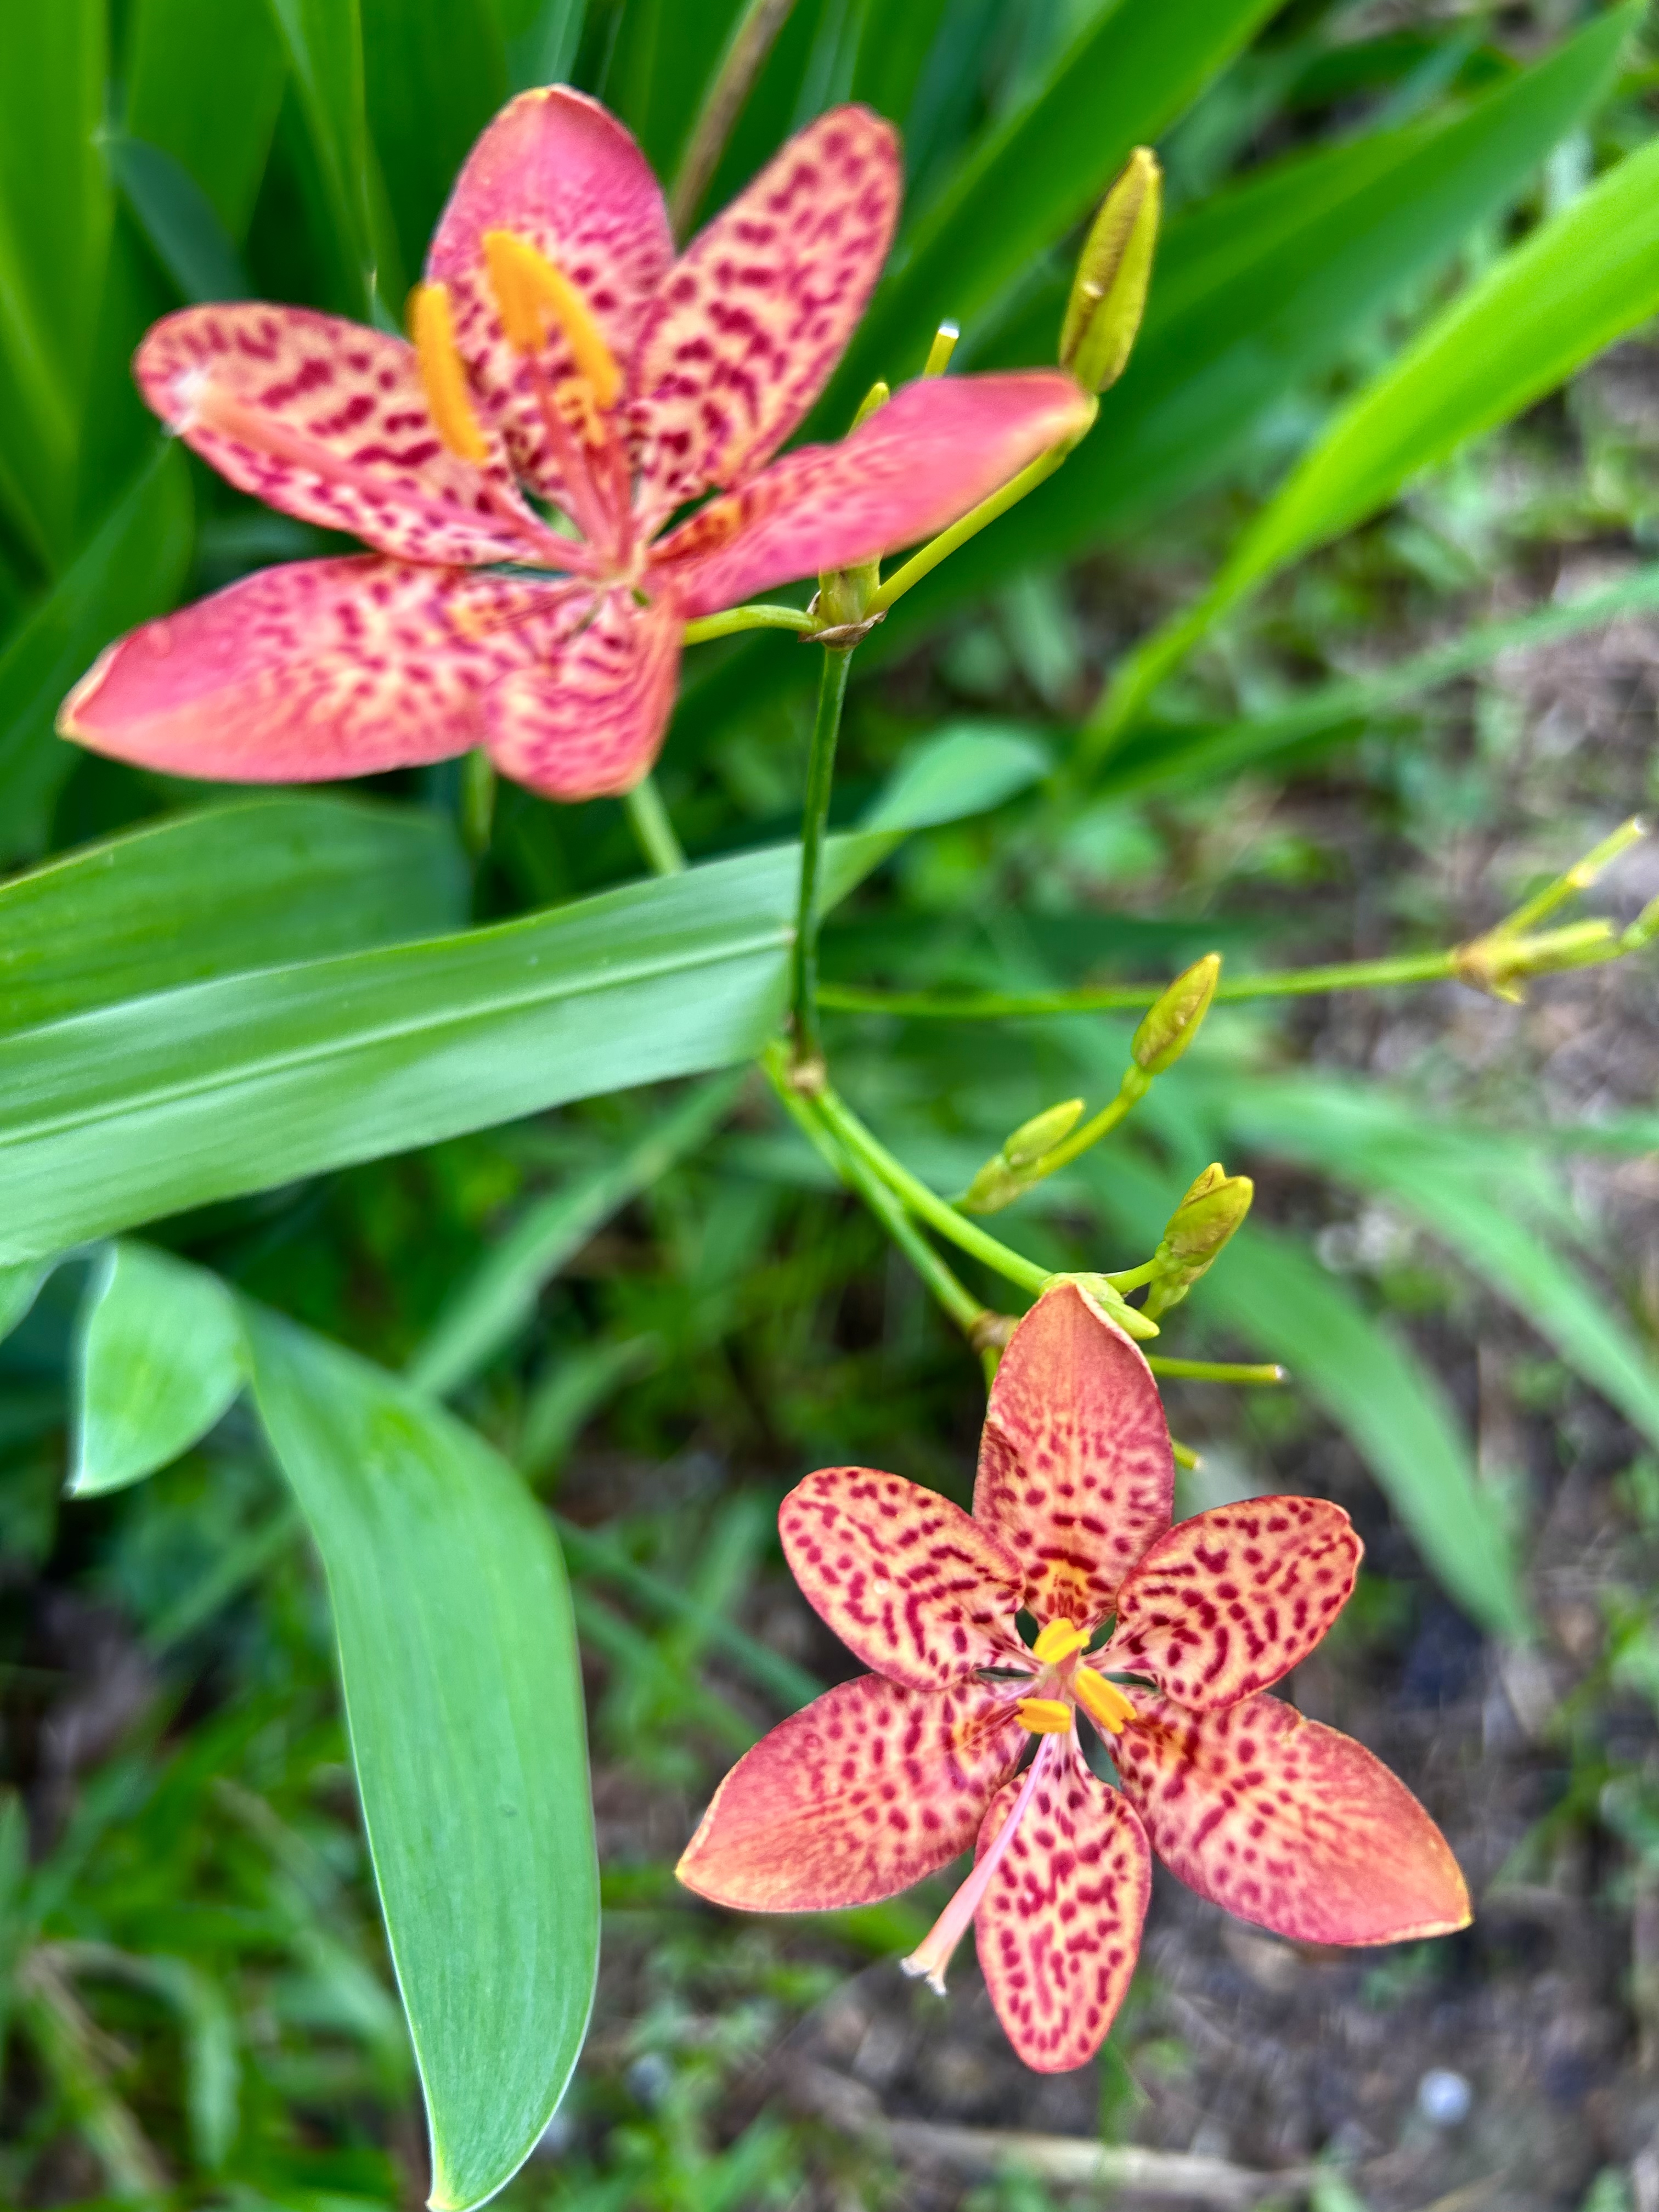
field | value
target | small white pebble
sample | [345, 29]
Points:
[1443, 2098]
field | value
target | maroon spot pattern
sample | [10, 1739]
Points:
[759, 308]
[587, 721]
[1075, 1470]
[559, 171]
[318, 669]
[1288, 1824]
[1059, 1929]
[353, 394]
[918, 1590]
[1231, 1600]
[865, 1791]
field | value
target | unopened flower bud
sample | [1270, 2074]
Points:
[1019, 1162]
[1108, 293]
[1196, 1233]
[1169, 1026]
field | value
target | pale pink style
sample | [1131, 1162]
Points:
[565, 668]
[889, 1776]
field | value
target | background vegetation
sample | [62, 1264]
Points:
[656, 1305]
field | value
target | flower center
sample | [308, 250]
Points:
[1067, 1684]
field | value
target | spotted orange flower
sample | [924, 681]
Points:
[565, 364]
[887, 1778]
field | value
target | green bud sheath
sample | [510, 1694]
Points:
[1108, 293]
[1042, 1133]
[1170, 1027]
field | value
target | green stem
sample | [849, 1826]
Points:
[917, 1199]
[952, 1295]
[758, 617]
[744, 58]
[1130, 1093]
[941, 548]
[654, 832]
[820, 780]
[1212, 1371]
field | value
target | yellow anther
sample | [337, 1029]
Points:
[1044, 1716]
[1104, 1703]
[1058, 1640]
[939, 353]
[442, 377]
[531, 293]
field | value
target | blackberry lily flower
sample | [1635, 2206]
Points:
[887, 1778]
[559, 351]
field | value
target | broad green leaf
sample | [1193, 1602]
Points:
[1391, 1407]
[435, 71]
[140, 1108]
[133, 568]
[463, 1696]
[1267, 285]
[55, 209]
[324, 43]
[161, 1358]
[1032, 176]
[203, 84]
[260, 883]
[19, 1288]
[662, 65]
[491, 1305]
[1580, 281]
[178, 220]
[965, 769]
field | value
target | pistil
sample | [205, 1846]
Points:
[933, 1955]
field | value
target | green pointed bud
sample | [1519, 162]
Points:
[1643, 931]
[1169, 1026]
[1112, 1303]
[1041, 1133]
[1108, 293]
[1196, 1233]
[1020, 1162]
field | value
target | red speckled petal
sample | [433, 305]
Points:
[1288, 1824]
[1059, 1929]
[936, 449]
[558, 170]
[921, 1593]
[589, 722]
[868, 1789]
[327, 421]
[316, 670]
[1229, 1600]
[1075, 1470]
[757, 310]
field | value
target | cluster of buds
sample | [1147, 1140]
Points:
[1502, 959]
[1052, 1139]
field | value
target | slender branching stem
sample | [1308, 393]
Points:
[940, 548]
[1214, 1370]
[654, 832]
[915, 1197]
[820, 780]
[758, 617]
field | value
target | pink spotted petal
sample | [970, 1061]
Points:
[1231, 1601]
[1075, 1472]
[327, 421]
[557, 170]
[320, 669]
[589, 720]
[1059, 1929]
[865, 1790]
[936, 449]
[1288, 1824]
[757, 310]
[907, 1581]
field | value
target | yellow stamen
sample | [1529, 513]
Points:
[1104, 1703]
[1044, 1716]
[442, 377]
[1057, 1641]
[529, 292]
[939, 353]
